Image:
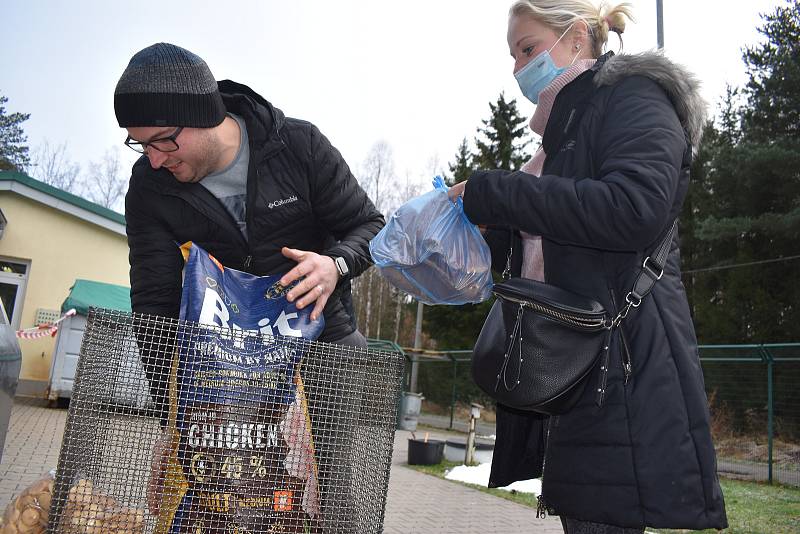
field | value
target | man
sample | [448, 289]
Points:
[261, 192]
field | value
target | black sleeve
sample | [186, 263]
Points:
[638, 152]
[155, 259]
[155, 273]
[341, 205]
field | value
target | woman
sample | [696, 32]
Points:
[597, 197]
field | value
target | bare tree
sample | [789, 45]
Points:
[398, 314]
[381, 286]
[105, 183]
[378, 175]
[435, 166]
[377, 178]
[51, 164]
[370, 275]
[372, 295]
[406, 191]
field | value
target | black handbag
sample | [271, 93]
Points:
[540, 343]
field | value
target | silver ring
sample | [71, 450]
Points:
[321, 291]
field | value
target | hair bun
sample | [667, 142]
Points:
[615, 18]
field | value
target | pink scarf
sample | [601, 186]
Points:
[532, 257]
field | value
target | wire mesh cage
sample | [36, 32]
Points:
[241, 432]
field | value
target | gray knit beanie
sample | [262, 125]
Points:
[166, 85]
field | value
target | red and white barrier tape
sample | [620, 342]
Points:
[44, 330]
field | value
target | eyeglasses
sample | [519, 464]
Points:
[162, 144]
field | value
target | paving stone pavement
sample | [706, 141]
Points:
[417, 503]
[32, 444]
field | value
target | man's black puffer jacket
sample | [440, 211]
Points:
[300, 194]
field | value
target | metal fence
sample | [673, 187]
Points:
[755, 409]
[753, 393]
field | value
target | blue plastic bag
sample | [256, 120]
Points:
[430, 250]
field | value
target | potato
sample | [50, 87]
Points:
[94, 526]
[90, 512]
[81, 492]
[30, 517]
[45, 484]
[44, 499]
[77, 522]
[127, 521]
[100, 512]
[102, 501]
[12, 517]
[25, 500]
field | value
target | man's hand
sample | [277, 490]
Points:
[457, 190]
[320, 279]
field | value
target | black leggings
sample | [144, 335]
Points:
[575, 526]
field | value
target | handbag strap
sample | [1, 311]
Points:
[652, 271]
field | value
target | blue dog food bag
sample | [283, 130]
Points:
[242, 455]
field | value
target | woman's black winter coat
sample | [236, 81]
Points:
[619, 143]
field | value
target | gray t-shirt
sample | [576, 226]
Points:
[230, 184]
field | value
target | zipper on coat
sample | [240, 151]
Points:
[627, 363]
[541, 504]
[251, 192]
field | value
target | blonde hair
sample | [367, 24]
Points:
[561, 14]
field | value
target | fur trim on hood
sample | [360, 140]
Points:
[682, 87]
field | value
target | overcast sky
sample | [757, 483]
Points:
[418, 74]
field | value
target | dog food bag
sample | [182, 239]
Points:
[241, 454]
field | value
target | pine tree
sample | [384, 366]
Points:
[13, 150]
[501, 141]
[462, 167]
[773, 66]
[743, 204]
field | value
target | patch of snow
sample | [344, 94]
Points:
[479, 475]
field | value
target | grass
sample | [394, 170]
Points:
[753, 508]
[757, 508]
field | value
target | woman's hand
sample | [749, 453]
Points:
[457, 191]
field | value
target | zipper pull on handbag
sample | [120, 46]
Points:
[507, 271]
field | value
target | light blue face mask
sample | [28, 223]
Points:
[539, 72]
